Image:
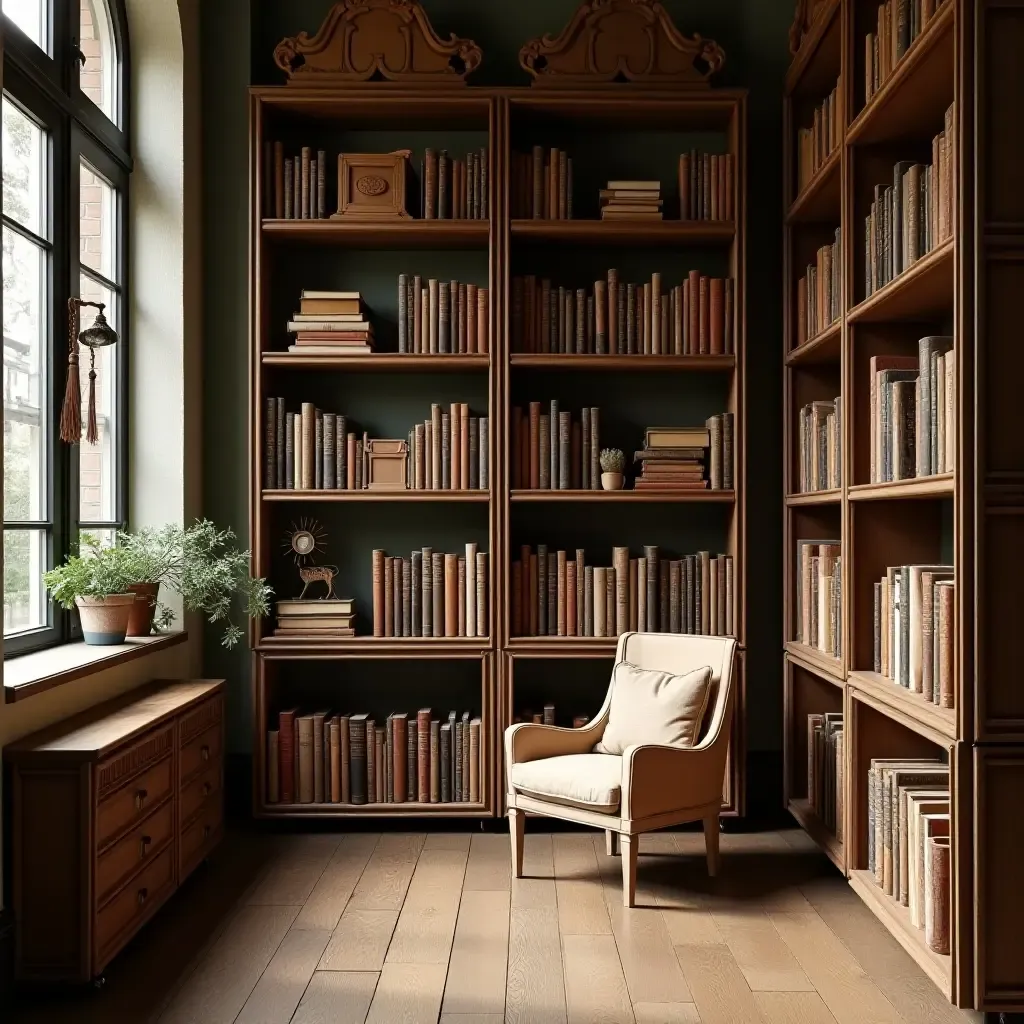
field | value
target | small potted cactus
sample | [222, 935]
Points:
[613, 462]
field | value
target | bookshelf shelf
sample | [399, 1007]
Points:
[832, 667]
[617, 363]
[836, 680]
[831, 497]
[381, 234]
[406, 646]
[417, 496]
[824, 347]
[819, 200]
[940, 486]
[705, 497]
[389, 362]
[817, 830]
[912, 705]
[624, 232]
[819, 53]
[562, 645]
[924, 289]
[408, 809]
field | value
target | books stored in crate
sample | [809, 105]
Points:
[454, 188]
[556, 593]
[330, 323]
[442, 317]
[913, 412]
[551, 450]
[825, 769]
[707, 185]
[431, 594]
[899, 23]
[915, 630]
[326, 757]
[819, 595]
[541, 183]
[913, 215]
[294, 186]
[450, 451]
[820, 446]
[815, 144]
[631, 200]
[615, 317]
[315, 619]
[819, 292]
[908, 840]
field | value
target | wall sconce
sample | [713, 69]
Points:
[99, 335]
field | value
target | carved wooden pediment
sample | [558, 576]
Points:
[376, 40]
[806, 14]
[630, 41]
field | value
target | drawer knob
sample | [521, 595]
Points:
[204, 752]
[142, 894]
[140, 799]
[207, 789]
[144, 845]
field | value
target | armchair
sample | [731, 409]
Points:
[650, 786]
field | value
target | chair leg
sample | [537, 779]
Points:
[516, 828]
[629, 848]
[711, 826]
[611, 842]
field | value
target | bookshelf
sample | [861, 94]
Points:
[485, 673]
[969, 515]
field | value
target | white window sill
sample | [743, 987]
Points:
[29, 674]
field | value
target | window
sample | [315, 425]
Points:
[65, 167]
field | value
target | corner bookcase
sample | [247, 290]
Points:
[966, 286]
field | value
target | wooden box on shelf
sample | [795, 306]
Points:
[387, 465]
[372, 186]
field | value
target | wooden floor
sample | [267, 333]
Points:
[354, 928]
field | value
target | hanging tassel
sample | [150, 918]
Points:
[71, 413]
[92, 433]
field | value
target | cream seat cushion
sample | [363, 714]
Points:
[589, 781]
[649, 706]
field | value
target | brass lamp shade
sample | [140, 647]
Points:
[99, 335]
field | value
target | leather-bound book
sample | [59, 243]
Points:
[706, 189]
[291, 474]
[609, 601]
[399, 749]
[297, 187]
[728, 421]
[545, 316]
[553, 446]
[389, 595]
[595, 446]
[430, 185]
[305, 730]
[371, 762]
[403, 313]
[411, 760]
[451, 595]
[417, 455]
[632, 598]
[378, 563]
[664, 609]
[537, 210]
[457, 734]
[318, 450]
[728, 315]
[474, 760]
[465, 757]
[945, 635]
[544, 451]
[563, 186]
[440, 761]
[318, 757]
[389, 760]
[270, 443]
[379, 749]
[716, 316]
[516, 615]
[351, 462]
[580, 585]
[330, 462]
[601, 317]
[471, 584]
[730, 597]
[575, 456]
[703, 310]
[560, 594]
[484, 446]
[273, 782]
[689, 598]
[465, 454]
[655, 313]
[723, 561]
[402, 582]
[714, 425]
[612, 314]
[289, 189]
[694, 291]
[713, 210]
[937, 894]
[620, 563]
[591, 332]
[444, 322]
[644, 327]
[580, 322]
[564, 449]
[704, 592]
[427, 602]
[415, 337]
[471, 185]
[415, 581]
[306, 155]
[542, 590]
[532, 595]
[288, 755]
[472, 308]
[684, 187]
[459, 317]
[559, 318]
[586, 481]
[279, 181]
[570, 598]
[631, 320]
[483, 321]
[588, 601]
[340, 452]
[444, 191]
[599, 601]
[437, 434]
[455, 455]
[444, 482]
[481, 594]
[516, 437]
[433, 314]
[359, 767]
[437, 574]
[460, 598]
[423, 755]
[344, 760]
[712, 595]
[308, 447]
[653, 619]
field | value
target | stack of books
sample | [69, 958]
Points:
[674, 459]
[332, 324]
[631, 200]
[318, 619]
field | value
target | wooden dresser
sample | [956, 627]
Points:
[112, 810]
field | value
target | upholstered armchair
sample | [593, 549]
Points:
[649, 785]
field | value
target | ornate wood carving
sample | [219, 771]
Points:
[630, 41]
[803, 18]
[376, 40]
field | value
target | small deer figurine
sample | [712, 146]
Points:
[314, 574]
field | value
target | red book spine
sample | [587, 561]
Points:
[423, 755]
[286, 755]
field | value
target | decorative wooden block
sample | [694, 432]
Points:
[375, 42]
[386, 465]
[630, 41]
[372, 185]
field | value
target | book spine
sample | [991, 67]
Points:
[270, 443]
[542, 590]
[427, 602]
[430, 185]
[441, 755]
[620, 562]
[588, 601]
[537, 210]
[318, 451]
[358, 769]
[599, 601]
[423, 755]
[651, 558]
[437, 574]
[595, 446]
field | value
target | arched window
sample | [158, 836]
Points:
[65, 164]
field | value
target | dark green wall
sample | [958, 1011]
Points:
[754, 36]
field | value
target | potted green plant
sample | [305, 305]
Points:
[94, 581]
[613, 464]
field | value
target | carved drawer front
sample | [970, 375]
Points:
[133, 904]
[133, 852]
[133, 801]
[199, 837]
[198, 720]
[203, 789]
[114, 772]
[200, 753]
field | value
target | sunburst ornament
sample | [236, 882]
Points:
[304, 540]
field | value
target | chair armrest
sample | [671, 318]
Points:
[528, 741]
[657, 779]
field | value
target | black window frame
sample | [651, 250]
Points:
[45, 85]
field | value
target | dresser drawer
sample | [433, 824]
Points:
[204, 750]
[118, 920]
[132, 802]
[200, 836]
[204, 788]
[132, 852]
[199, 719]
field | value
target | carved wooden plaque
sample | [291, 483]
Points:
[372, 185]
[376, 41]
[630, 41]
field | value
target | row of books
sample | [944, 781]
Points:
[912, 412]
[707, 183]
[330, 323]
[553, 451]
[547, 717]
[294, 187]
[819, 295]
[452, 188]
[814, 145]
[825, 769]
[321, 619]
[899, 23]
[327, 758]
[615, 317]
[450, 451]
[908, 840]
[819, 596]
[542, 184]
[310, 449]
[555, 595]
[911, 216]
[687, 458]
[430, 593]
[631, 200]
[915, 630]
[821, 446]
[442, 316]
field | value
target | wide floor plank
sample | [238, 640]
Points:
[691, 927]
[793, 1008]
[385, 879]
[472, 1018]
[595, 988]
[336, 997]
[579, 888]
[479, 960]
[360, 942]
[295, 870]
[666, 1013]
[277, 993]
[766, 963]
[490, 863]
[426, 925]
[448, 841]
[335, 886]
[718, 986]
[535, 990]
[537, 888]
[408, 994]
[648, 960]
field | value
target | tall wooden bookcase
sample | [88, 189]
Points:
[973, 516]
[386, 392]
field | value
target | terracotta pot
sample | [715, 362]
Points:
[105, 619]
[612, 481]
[140, 622]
